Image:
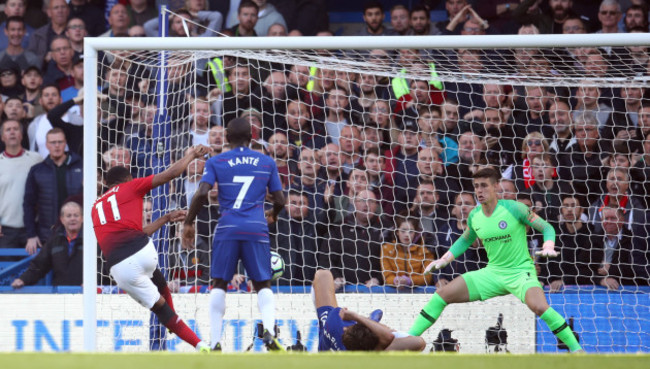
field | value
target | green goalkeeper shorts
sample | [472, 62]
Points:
[489, 282]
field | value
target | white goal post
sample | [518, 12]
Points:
[92, 46]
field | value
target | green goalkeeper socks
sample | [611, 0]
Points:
[428, 315]
[558, 326]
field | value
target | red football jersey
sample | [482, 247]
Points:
[117, 219]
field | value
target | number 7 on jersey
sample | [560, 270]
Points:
[247, 181]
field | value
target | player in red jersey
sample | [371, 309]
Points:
[131, 256]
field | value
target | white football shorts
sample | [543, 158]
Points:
[133, 275]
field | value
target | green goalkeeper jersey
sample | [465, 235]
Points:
[503, 234]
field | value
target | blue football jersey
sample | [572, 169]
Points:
[243, 176]
[330, 328]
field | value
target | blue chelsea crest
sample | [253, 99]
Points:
[503, 224]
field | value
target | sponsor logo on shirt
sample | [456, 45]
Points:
[505, 238]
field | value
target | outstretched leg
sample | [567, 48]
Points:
[455, 292]
[536, 302]
[169, 319]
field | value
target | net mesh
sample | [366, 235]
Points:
[371, 141]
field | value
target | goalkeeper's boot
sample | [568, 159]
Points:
[376, 315]
[203, 347]
[271, 343]
[217, 347]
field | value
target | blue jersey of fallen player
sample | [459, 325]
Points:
[243, 176]
[330, 328]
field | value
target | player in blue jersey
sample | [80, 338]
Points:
[243, 178]
[340, 329]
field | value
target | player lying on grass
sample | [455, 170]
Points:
[501, 226]
[340, 329]
[131, 256]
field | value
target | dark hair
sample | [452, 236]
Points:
[358, 337]
[451, 100]
[420, 8]
[425, 109]
[642, 8]
[51, 85]
[14, 18]
[14, 97]
[401, 218]
[487, 173]
[575, 17]
[405, 216]
[573, 196]
[116, 175]
[372, 4]
[232, 69]
[561, 100]
[238, 131]
[372, 151]
[462, 193]
[248, 4]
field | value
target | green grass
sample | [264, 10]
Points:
[321, 361]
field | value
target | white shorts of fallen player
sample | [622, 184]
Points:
[133, 275]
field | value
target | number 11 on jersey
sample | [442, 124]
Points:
[100, 209]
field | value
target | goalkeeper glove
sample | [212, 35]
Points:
[438, 264]
[548, 250]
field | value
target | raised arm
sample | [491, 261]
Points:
[73, 133]
[179, 167]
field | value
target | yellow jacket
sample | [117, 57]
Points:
[396, 260]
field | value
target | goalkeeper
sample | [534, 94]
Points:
[501, 226]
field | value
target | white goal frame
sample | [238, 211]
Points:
[93, 45]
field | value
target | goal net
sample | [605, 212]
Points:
[376, 140]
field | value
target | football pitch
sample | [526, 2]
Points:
[321, 361]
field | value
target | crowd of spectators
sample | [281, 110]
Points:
[377, 170]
